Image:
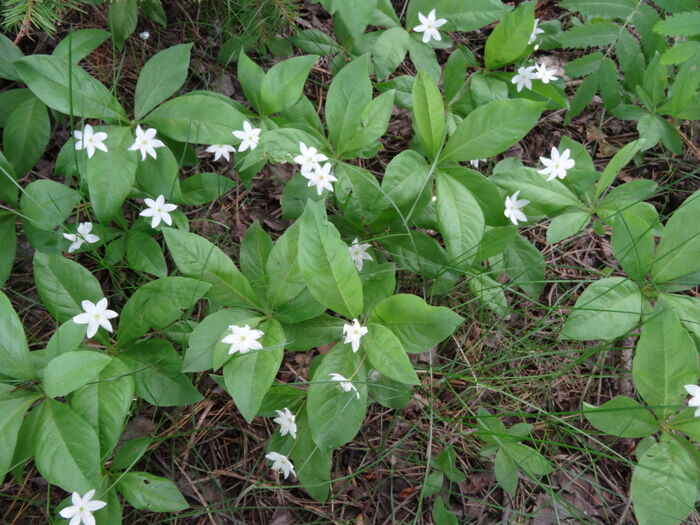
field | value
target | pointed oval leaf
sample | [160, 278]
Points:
[161, 77]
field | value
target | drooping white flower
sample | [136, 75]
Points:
[95, 315]
[475, 163]
[249, 136]
[353, 333]
[221, 150]
[524, 77]
[544, 74]
[146, 142]
[158, 210]
[287, 422]
[281, 463]
[345, 384]
[429, 26]
[145, 35]
[513, 206]
[694, 401]
[557, 165]
[82, 236]
[310, 159]
[535, 31]
[321, 178]
[243, 339]
[82, 508]
[89, 140]
[358, 252]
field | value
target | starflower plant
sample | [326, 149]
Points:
[146, 142]
[353, 333]
[287, 422]
[321, 177]
[82, 236]
[95, 315]
[249, 137]
[281, 463]
[221, 151]
[158, 210]
[359, 254]
[82, 508]
[90, 141]
[558, 165]
[513, 208]
[429, 26]
[243, 339]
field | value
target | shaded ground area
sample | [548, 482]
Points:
[514, 366]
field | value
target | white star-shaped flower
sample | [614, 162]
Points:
[82, 236]
[524, 77]
[82, 508]
[158, 210]
[145, 35]
[358, 252]
[89, 140]
[221, 150]
[281, 463]
[321, 178]
[513, 206]
[310, 159]
[557, 165]
[146, 142]
[95, 315]
[535, 31]
[345, 384]
[694, 401]
[287, 422]
[250, 137]
[544, 74]
[429, 26]
[243, 339]
[353, 333]
[475, 163]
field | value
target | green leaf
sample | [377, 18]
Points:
[111, 176]
[676, 265]
[312, 463]
[15, 361]
[665, 361]
[476, 15]
[621, 416]
[527, 459]
[664, 484]
[159, 176]
[315, 41]
[106, 403]
[283, 275]
[632, 242]
[607, 309]
[601, 8]
[355, 15]
[688, 311]
[47, 203]
[67, 450]
[593, 34]
[489, 292]
[685, 422]
[349, 93]
[197, 118]
[619, 161]
[63, 284]
[26, 135]
[68, 372]
[509, 40]
[441, 513]
[69, 90]
[491, 129]
[255, 249]
[428, 114]
[326, 265]
[79, 44]
[123, 15]
[506, 472]
[335, 416]
[389, 51]
[387, 355]
[283, 85]
[314, 332]
[8, 240]
[156, 304]
[374, 121]
[484, 191]
[248, 376]
[130, 452]
[9, 53]
[145, 491]
[460, 219]
[525, 266]
[156, 369]
[566, 225]
[202, 188]
[196, 257]
[12, 407]
[680, 24]
[405, 182]
[358, 194]
[161, 77]
[144, 254]
[416, 324]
